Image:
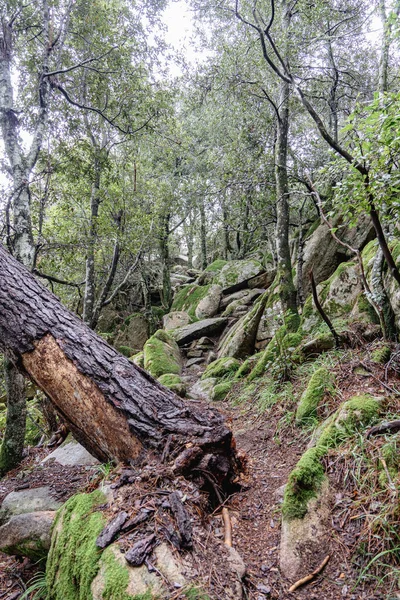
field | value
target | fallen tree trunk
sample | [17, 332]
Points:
[113, 408]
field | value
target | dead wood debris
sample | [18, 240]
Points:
[310, 577]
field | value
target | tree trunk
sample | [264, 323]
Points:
[203, 235]
[13, 443]
[90, 284]
[115, 409]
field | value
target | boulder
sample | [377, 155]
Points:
[240, 341]
[174, 383]
[27, 534]
[323, 254]
[305, 542]
[203, 389]
[226, 300]
[133, 333]
[162, 355]
[28, 501]
[72, 454]
[235, 274]
[174, 319]
[221, 367]
[264, 280]
[206, 327]
[242, 304]
[209, 305]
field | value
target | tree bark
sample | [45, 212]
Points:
[114, 408]
[13, 443]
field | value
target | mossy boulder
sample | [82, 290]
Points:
[240, 340]
[175, 319]
[320, 382]
[236, 274]
[138, 359]
[216, 266]
[72, 563]
[280, 349]
[132, 334]
[222, 367]
[306, 478]
[27, 534]
[162, 355]
[221, 390]
[174, 383]
[209, 304]
[188, 298]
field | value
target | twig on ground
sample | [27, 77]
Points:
[228, 527]
[309, 577]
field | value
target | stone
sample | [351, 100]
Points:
[240, 340]
[162, 355]
[226, 300]
[194, 331]
[177, 318]
[235, 274]
[306, 540]
[28, 501]
[236, 562]
[27, 534]
[264, 280]
[194, 361]
[209, 305]
[132, 333]
[203, 389]
[323, 254]
[72, 454]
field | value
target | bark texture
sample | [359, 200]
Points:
[114, 408]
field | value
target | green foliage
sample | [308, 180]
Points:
[216, 266]
[73, 558]
[382, 354]
[36, 586]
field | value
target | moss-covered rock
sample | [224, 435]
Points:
[221, 390]
[174, 383]
[306, 478]
[188, 298]
[246, 367]
[132, 333]
[138, 359]
[221, 367]
[320, 382]
[235, 274]
[72, 562]
[282, 346]
[216, 266]
[162, 355]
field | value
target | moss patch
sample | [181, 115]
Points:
[126, 350]
[381, 355]
[188, 298]
[320, 382]
[72, 562]
[138, 359]
[221, 390]
[221, 367]
[306, 478]
[216, 265]
[173, 383]
[161, 355]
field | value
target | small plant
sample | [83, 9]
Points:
[36, 586]
[105, 469]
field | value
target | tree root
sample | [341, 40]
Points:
[310, 577]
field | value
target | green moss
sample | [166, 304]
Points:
[195, 593]
[395, 249]
[326, 285]
[222, 367]
[320, 382]
[216, 265]
[188, 298]
[312, 228]
[308, 309]
[221, 390]
[283, 345]
[126, 350]
[303, 484]
[138, 359]
[161, 355]
[173, 383]
[381, 355]
[291, 321]
[368, 254]
[116, 579]
[391, 455]
[246, 367]
[306, 478]
[72, 562]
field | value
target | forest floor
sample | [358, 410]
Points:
[273, 445]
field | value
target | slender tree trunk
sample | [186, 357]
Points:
[115, 409]
[203, 235]
[165, 262]
[226, 247]
[90, 280]
[13, 442]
